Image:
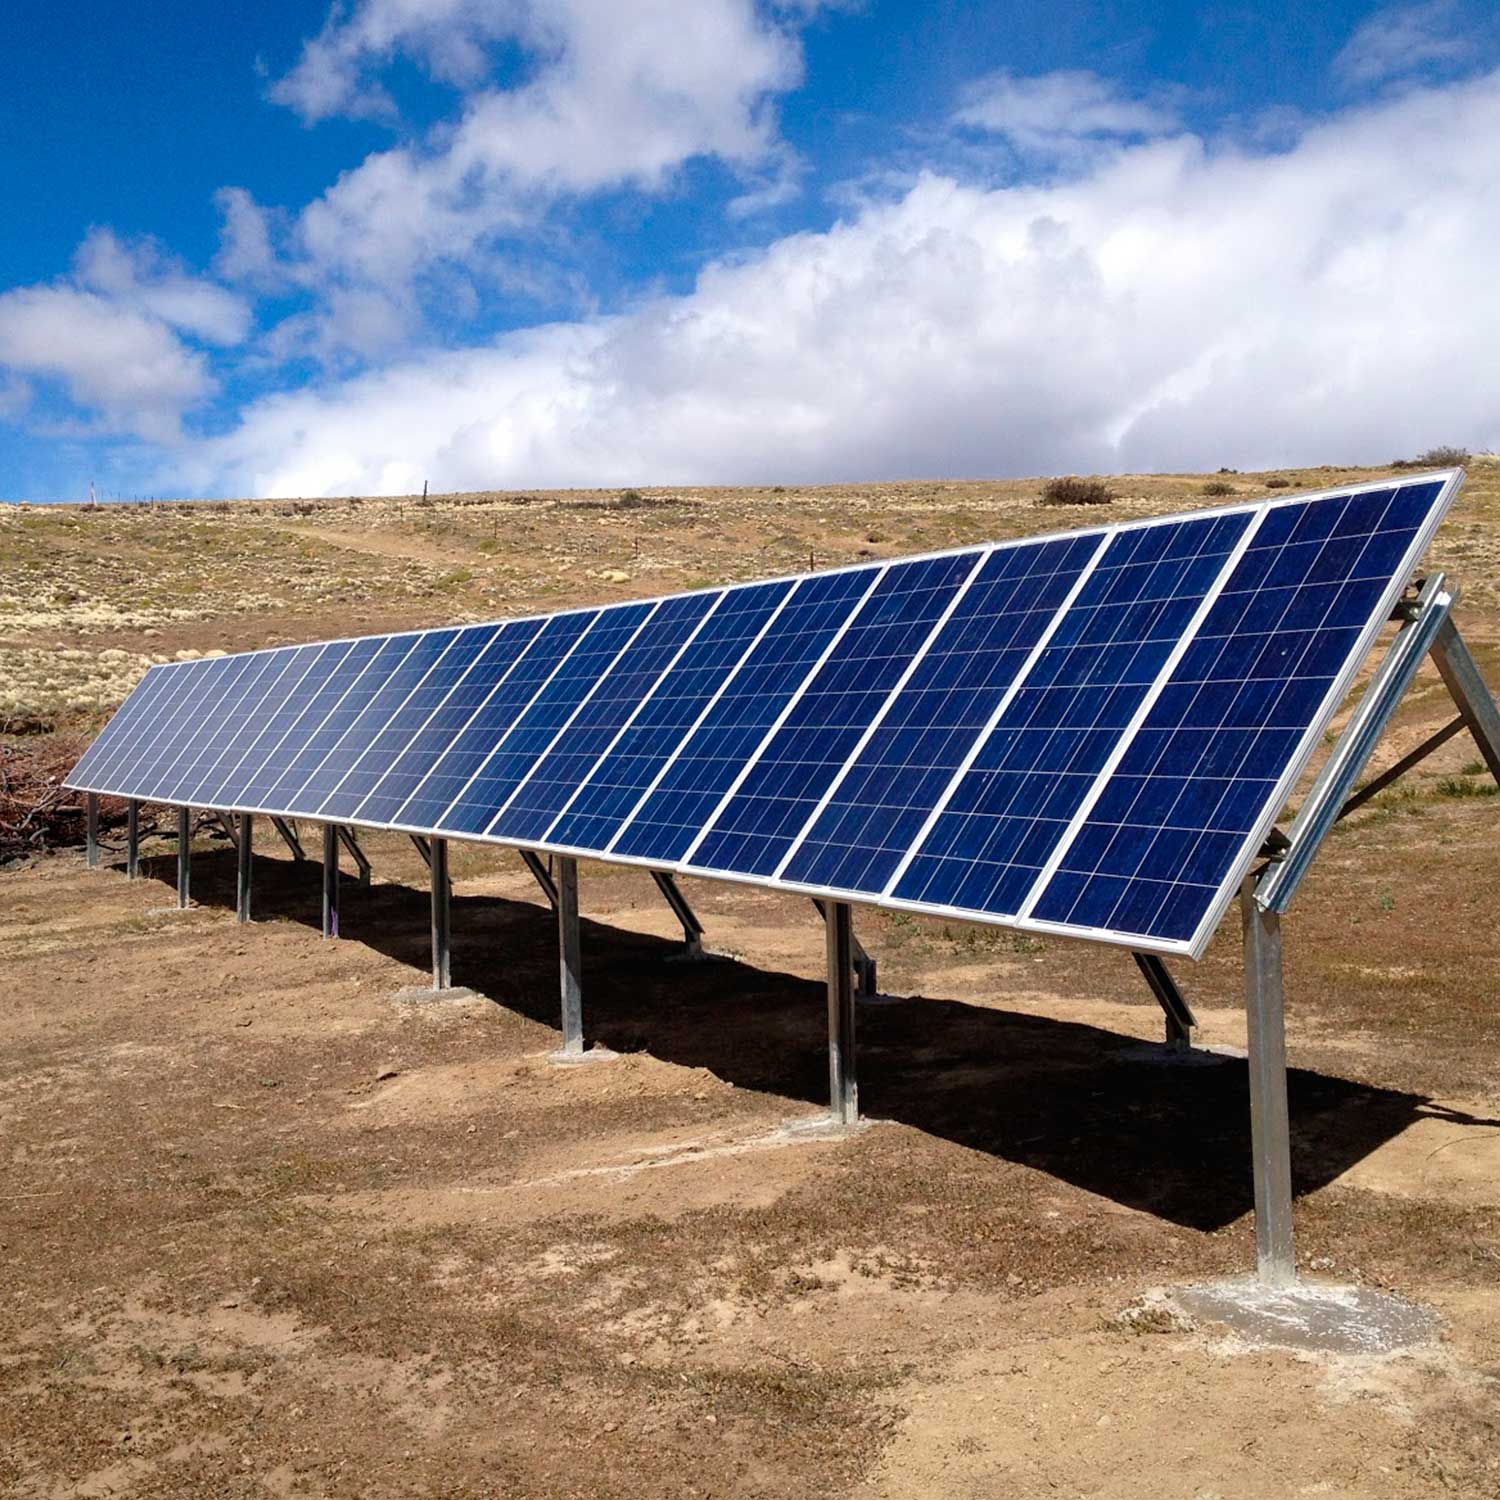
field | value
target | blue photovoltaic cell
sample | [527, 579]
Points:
[555, 777]
[316, 731]
[620, 780]
[758, 824]
[714, 754]
[1005, 816]
[513, 688]
[880, 806]
[468, 675]
[331, 751]
[235, 754]
[383, 727]
[285, 733]
[205, 682]
[123, 730]
[540, 721]
[237, 730]
[1193, 786]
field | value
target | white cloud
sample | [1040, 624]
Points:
[114, 336]
[617, 94]
[1172, 307]
[1403, 39]
[1059, 114]
[246, 253]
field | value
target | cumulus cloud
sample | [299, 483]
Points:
[1176, 305]
[115, 335]
[616, 94]
[1057, 115]
[1404, 39]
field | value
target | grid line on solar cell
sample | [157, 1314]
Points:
[367, 732]
[450, 721]
[228, 776]
[644, 719]
[230, 747]
[412, 726]
[791, 703]
[188, 683]
[518, 687]
[202, 681]
[661, 772]
[880, 807]
[832, 710]
[1040, 761]
[301, 752]
[238, 699]
[601, 715]
[539, 723]
[288, 728]
[1188, 796]
[708, 760]
[135, 712]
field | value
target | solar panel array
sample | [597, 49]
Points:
[1087, 733]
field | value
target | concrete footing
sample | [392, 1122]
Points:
[1316, 1317]
[562, 1058]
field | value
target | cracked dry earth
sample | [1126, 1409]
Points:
[268, 1231]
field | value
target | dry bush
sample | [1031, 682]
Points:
[1218, 487]
[1276, 482]
[1069, 489]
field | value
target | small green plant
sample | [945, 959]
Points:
[1459, 786]
[1069, 489]
[1386, 901]
[1473, 768]
[1218, 487]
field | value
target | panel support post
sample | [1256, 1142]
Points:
[569, 955]
[184, 857]
[1270, 1133]
[133, 839]
[1461, 675]
[330, 880]
[843, 1086]
[438, 860]
[242, 867]
[91, 833]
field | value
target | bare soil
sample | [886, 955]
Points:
[268, 1230]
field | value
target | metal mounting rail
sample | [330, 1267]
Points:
[347, 839]
[1320, 811]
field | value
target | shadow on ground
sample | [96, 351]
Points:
[1067, 1098]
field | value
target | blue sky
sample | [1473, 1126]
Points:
[288, 249]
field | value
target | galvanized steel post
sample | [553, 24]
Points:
[184, 857]
[91, 832]
[132, 839]
[569, 954]
[843, 1085]
[1270, 1130]
[242, 867]
[330, 880]
[438, 860]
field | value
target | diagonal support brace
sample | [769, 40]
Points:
[541, 874]
[1179, 1014]
[347, 839]
[288, 833]
[692, 928]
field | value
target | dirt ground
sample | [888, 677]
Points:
[273, 1226]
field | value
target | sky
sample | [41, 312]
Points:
[295, 249]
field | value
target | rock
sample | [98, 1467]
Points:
[385, 1073]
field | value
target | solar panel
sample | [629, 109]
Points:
[1086, 734]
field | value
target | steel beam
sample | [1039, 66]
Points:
[1374, 787]
[442, 888]
[347, 839]
[692, 928]
[843, 1084]
[133, 839]
[1460, 672]
[541, 874]
[243, 851]
[184, 857]
[288, 833]
[569, 955]
[330, 880]
[864, 965]
[1270, 1130]
[1179, 1014]
[1320, 810]
[91, 829]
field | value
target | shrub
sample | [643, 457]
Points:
[1218, 487]
[1276, 482]
[1443, 458]
[630, 500]
[1071, 490]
